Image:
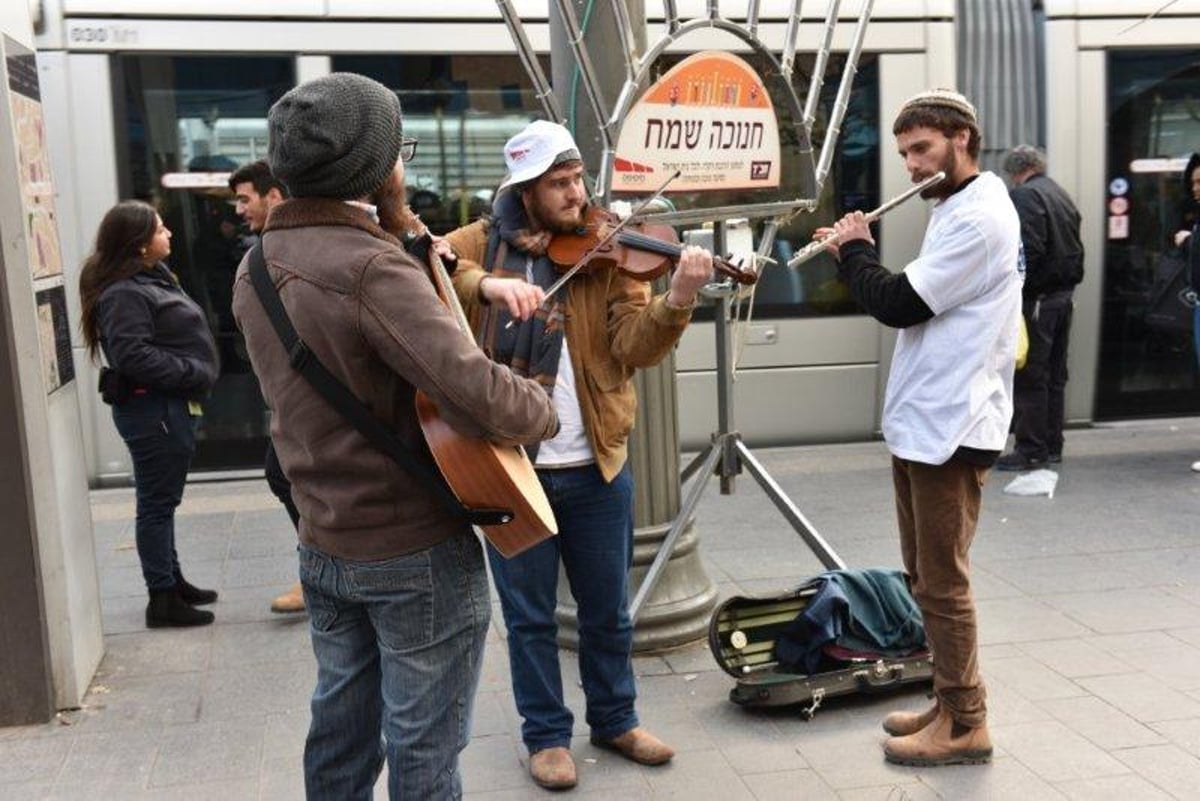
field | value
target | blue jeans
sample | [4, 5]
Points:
[595, 544]
[399, 644]
[1196, 329]
[161, 437]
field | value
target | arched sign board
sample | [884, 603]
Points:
[731, 123]
[709, 117]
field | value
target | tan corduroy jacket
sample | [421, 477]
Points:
[613, 326]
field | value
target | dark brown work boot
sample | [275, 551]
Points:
[902, 724]
[638, 745]
[942, 742]
[552, 768]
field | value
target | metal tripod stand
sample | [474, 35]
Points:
[726, 455]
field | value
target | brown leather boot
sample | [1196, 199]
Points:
[290, 601]
[902, 724]
[638, 745]
[942, 742]
[553, 768]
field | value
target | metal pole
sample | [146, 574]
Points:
[818, 76]
[541, 87]
[788, 56]
[843, 96]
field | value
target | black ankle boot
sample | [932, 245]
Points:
[193, 594]
[168, 609]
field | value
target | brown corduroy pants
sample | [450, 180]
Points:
[938, 508]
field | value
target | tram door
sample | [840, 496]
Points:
[184, 123]
[1148, 360]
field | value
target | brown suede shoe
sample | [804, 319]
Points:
[902, 724]
[638, 745]
[290, 601]
[942, 742]
[553, 768]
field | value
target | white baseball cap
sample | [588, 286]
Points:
[537, 148]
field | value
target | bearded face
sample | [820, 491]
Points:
[557, 200]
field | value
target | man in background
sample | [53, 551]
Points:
[1053, 266]
[256, 191]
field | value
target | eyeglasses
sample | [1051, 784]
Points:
[408, 149]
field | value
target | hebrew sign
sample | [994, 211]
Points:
[709, 117]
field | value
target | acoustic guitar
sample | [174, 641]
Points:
[483, 474]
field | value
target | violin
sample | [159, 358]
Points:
[641, 250]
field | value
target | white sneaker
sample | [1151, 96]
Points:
[1196, 467]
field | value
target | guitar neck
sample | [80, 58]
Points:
[445, 289]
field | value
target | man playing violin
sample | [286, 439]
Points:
[582, 345]
[949, 399]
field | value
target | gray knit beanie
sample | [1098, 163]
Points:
[336, 136]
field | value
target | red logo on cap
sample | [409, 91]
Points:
[517, 155]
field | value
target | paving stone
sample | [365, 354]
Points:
[209, 751]
[1103, 724]
[1074, 658]
[118, 757]
[1143, 697]
[1165, 766]
[280, 544]
[35, 760]
[1012, 620]
[236, 644]
[910, 791]
[264, 571]
[698, 776]
[142, 702]
[284, 734]
[1054, 752]
[804, 784]
[153, 651]
[1004, 779]
[491, 763]
[257, 691]
[210, 524]
[1113, 788]
[1183, 733]
[1031, 678]
[248, 521]
[1177, 666]
[1062, 574]
[1117, 611]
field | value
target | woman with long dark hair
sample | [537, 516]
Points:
[162, 362]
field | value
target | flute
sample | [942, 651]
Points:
[810, 250]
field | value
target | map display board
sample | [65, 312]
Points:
[37, 204]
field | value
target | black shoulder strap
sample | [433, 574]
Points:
[343, 400]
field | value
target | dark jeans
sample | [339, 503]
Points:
[399, 646]
[595, 544]
[161, 437]
[279, 484]
[937, 507]
[1038, 388]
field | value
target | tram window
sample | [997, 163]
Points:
[196, 118]
[1148, 364]
[462, 109]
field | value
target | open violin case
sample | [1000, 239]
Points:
[744, 635]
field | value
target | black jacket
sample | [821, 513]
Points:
[1050, 236]
[1191, 247]
[155, 335]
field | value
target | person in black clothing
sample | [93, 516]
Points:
[256, 191]
[1187, 239]
[163, 363]
[1053, 266]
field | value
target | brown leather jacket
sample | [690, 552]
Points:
[368, 311]
[613, 326]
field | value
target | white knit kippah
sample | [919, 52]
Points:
[943, 98]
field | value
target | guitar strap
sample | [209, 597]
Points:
[305, 362]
